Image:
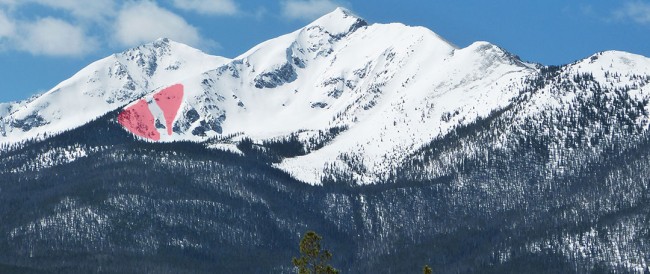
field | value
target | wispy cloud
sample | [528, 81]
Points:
[7, 26]
[63, 29]
[95, 10]
[587, 9]
[154, 22]
[44, 36]
[8, 3]
[308, 9]
[50, 36]
[209, 7]
[55, 37]
[637, 11]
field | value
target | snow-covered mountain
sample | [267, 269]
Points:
[391, 88]
[466, 159]
[359, 98]
[101, 87]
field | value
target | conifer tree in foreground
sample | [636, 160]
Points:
[313, 260]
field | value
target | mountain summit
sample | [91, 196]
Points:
[103, 86]
[342, 88]
[398, 147]
[340, 22]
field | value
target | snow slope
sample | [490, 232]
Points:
[394, 87]
[388, 89]
[103, 86]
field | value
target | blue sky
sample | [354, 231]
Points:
[43, 42]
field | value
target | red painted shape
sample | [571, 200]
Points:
[169, 100]
[139, 120]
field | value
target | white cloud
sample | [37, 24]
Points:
[95, 10]
[213, 7]
[143, 22]
[117, 23]
[8, 2]
[7, 26]
[308, 9]
[54, 37]
[638, 12]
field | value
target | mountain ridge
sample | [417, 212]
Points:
[391, 88]
[399, 148]
[104, 85]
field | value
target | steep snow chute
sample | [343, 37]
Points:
[139, 120]
[169, 100]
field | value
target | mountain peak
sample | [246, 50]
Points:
[161, 44]
[339, 22]
[161, 47]
[164, 42]
[343, 11]
[167, 42]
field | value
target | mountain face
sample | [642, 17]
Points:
[102, 87]
[336, 74]
[398, 147]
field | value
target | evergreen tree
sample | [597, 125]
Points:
[313, 260]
